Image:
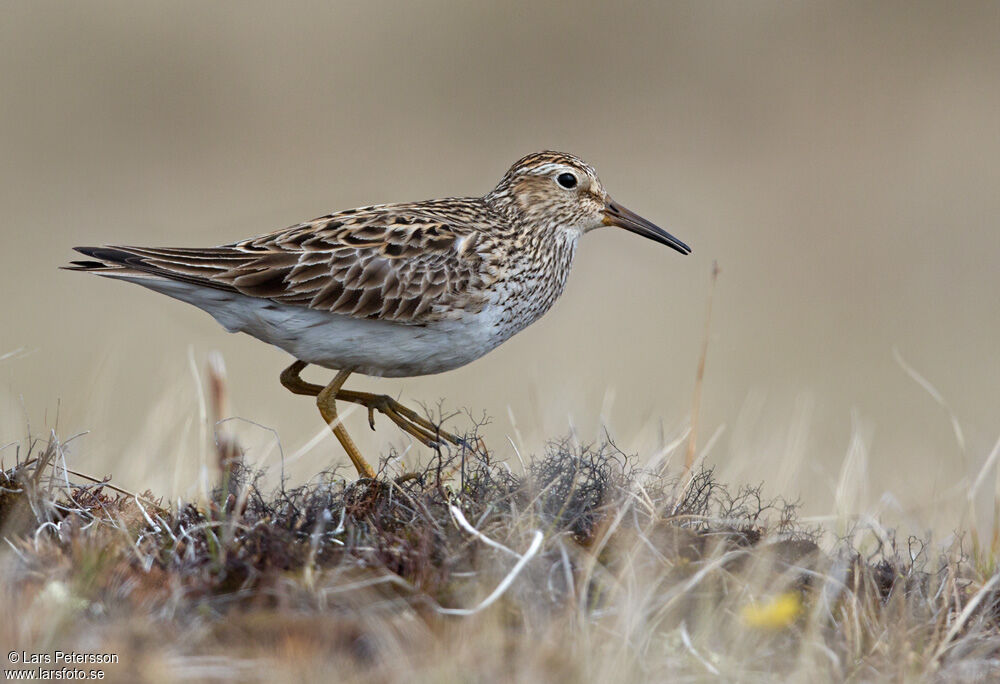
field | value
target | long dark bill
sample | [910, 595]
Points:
[617, 215]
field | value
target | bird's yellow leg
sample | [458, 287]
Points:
[326, 400]
[294, 383]
[412, 423]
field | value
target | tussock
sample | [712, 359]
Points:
[583, 567]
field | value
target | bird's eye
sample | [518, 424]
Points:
[567, 180]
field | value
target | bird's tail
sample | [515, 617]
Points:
[104, 261]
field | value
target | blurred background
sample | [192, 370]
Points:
[840, 162]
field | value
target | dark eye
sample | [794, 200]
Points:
[567, 180]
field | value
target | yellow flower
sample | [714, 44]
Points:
[774, 613]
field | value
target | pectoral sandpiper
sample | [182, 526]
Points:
[393, 290]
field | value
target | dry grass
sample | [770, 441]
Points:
[583, 567]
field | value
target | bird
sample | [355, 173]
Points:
[393, 290]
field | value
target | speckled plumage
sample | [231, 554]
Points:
[395, 289]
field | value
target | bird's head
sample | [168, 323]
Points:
[555, 188]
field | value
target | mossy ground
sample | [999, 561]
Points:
[580, 566]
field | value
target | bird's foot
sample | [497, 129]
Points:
[408, 420]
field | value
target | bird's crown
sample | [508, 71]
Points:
[543, 163]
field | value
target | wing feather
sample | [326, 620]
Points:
[410, 263]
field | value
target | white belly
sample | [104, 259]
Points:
[341, 342]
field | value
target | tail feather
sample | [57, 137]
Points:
[106, 258]
[129, 263]
[86, 266]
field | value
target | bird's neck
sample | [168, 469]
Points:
[503, 205]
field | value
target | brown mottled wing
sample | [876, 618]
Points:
[406, 263]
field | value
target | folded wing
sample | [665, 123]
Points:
[404, 263]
